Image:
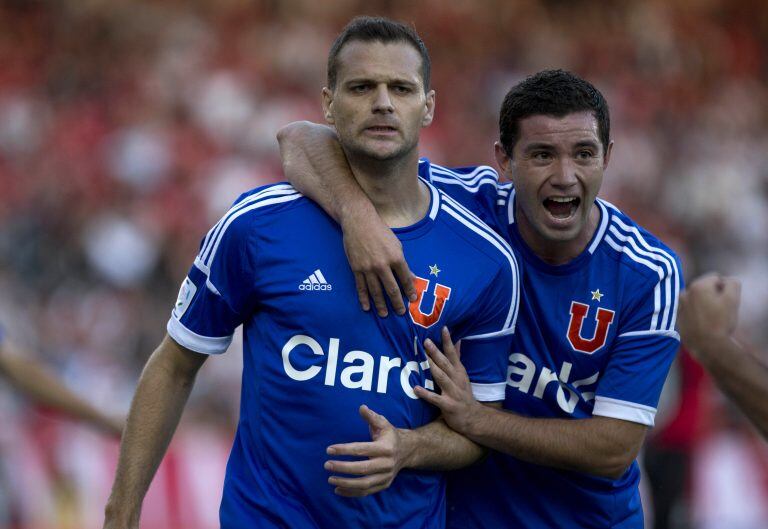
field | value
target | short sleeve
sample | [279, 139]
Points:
[477, 188]
[218, 293]
[645, 346]
[487, 337]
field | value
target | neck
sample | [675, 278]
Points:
[393, 187]
[555, 252]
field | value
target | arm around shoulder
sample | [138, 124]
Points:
[315, 164]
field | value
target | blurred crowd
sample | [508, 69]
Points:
[128, 127]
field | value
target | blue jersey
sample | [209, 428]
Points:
[275, 263]
[596, 336]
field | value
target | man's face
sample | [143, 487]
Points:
[378, 104]
[557, 167]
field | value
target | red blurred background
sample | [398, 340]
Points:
[128, 127]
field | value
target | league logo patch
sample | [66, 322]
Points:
[604, 319]
[186, 293]
[441, 294]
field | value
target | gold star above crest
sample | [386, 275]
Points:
[596, 295]
[434, 270]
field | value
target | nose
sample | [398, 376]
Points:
[382, 103]
[564, 175]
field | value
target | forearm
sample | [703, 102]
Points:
[598, 445]
[740, 375]
[40, 385]
[314, 162]
[436, 447]
[157, 406]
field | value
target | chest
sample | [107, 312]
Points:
[568, 323]
[305, 285]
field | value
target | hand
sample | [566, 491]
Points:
[708, 312]
[376, 257]
[456, 401]
[384, 459]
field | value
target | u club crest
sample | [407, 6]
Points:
[604, 318]
[441, 294]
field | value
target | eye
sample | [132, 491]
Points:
[541, 156]
[402, 90]
[584, 155]
[360, 88]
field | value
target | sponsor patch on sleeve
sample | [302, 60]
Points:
[186, 293]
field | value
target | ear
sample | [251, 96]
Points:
[607, 156]
[503, 160]
[429, 105]
[328, 105]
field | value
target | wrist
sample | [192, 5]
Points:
[354, 213]
[474, 426]
[409, 444]
[710, 352]
[121, 513]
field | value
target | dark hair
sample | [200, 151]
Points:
[377, 29]
[553, 93]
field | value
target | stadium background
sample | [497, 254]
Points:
[126, 129]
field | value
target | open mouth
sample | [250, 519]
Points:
[562, 207]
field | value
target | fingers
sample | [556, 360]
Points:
[383, 284]
[357, 487]
[437, 360]
[429, 396]
[365, 467]
[362, 291]
[713, 288]
[351, 493]
[405, 278]
[732, 290]
[359, 449]
[710, 282]
[393, 291]
[374, 288]
[448, 346]
[373, 419]
[377, 470]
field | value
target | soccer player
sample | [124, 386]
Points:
[312, 360]
[37, 383]
[708, 316]
[596, 332]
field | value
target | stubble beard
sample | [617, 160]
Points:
[359, 152]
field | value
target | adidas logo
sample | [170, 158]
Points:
[316, 281]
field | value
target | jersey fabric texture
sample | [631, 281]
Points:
[275, 263]
[595, 337]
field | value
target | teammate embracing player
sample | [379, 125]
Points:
[596, 331]
[312, 360]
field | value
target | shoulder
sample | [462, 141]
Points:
[469, 178]
[266, 199]
[475, 233]
[260, 203]
[649, 268]
[634, 246]
[241, 222]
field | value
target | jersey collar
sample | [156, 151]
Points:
[536, 261]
